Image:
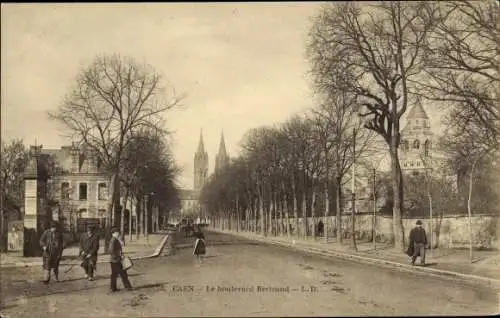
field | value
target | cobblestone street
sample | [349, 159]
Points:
[232, 281]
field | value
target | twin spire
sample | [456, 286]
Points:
[221, 159]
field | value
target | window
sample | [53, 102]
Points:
[65, 190]
[405, 145]
[82, 213]
[416, 144]
[83, 192]
[427, 147]
[101, 213]
[102, 191]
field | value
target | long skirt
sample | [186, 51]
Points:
[199, 247]
[51, 261]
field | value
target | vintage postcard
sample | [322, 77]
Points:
[250, 159]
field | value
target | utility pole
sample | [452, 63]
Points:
[374, 212]
[144, 212]
[354, 189]
[130, 218]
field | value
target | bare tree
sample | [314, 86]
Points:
[463, 67]
[337, 117]
[112, 98]
[374, 51]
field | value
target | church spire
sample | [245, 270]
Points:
[201, 145]
[222, 158]
[222, 146]
[200, 164]
[417, 112]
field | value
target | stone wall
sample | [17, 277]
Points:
[448, 231]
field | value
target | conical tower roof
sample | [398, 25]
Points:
[222, 146]
[417, 112]
[201, 145]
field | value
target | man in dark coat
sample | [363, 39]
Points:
[115, 259]
[51, 242]
[417, 243]
[89, 247]
[321, 228]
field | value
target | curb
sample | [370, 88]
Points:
[369, 260]
[101, 261]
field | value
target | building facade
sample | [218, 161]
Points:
[78, 185]
[416, 142]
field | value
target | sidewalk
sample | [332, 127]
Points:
[136, 249]
[454, 262]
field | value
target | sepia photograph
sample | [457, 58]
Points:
[250, 159]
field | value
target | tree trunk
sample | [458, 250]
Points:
[138, 213]
[255, 214]
[313, 210]
[281, 206]
[130, 219]
[122, 214]
[327, 208]
[295, 209]
[397, 187]
[262, 216]
[304, 214]
[338, 205]
[238, 218]
[111, 199]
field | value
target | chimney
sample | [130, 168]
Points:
[35, 150]
[75, 158]
[91, 161]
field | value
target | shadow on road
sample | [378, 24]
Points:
[97, 277]
[233, 243]
[157, 286]
[7, 306]
[208, 256]
[429, 264]
[44, 291]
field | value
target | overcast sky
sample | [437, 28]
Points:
[242, 65]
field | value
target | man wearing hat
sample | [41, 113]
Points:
[51, 242]
[417, 243]
[116, 256]
[89, 246]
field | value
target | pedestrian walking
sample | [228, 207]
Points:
[89, 247]
[116, 257]
[51, 242]
[321, 227]
[199, 244]
[417, 243]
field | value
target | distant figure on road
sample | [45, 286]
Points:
[321, 227]
[115, 259]
[51, 242]
[199, 244]
[417, 244]
[89, 247]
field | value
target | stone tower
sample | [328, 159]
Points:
[222, 158]
[200, 165]
[416, 141]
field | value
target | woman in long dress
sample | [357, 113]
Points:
[199, 244]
